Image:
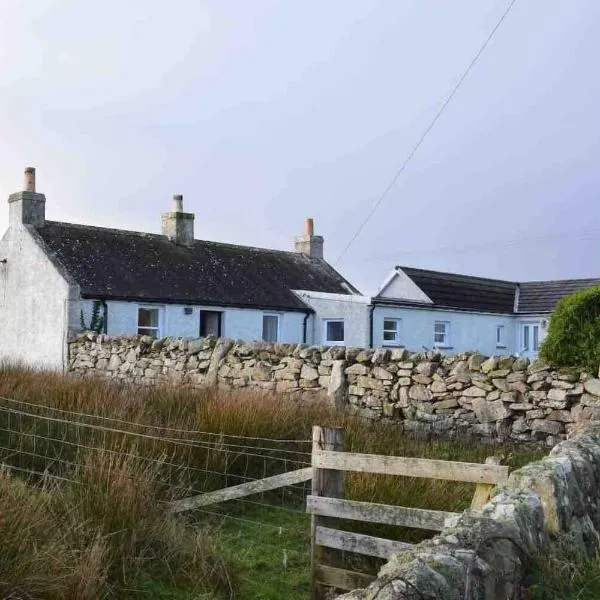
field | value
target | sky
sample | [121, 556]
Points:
[265, 112]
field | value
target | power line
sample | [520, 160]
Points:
[425, 133]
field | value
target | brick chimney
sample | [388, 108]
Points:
[309, 243]
[177, 225]
[27, 207]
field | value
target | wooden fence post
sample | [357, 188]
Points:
[325, 482]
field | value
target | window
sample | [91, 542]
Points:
[210, 323]
[391, 331]
[530, 340]
[270, 328]
[500, 339]
[441, 334]
[334, 331]
[149, 322]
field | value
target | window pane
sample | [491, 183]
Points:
[390, 325]
[270, 326]
[536, 331]
[439, 338]
[148, 317]
[335, 331]
[499, 334]
[526, 337]
[151, 332]
[389, 336]
[440, 327]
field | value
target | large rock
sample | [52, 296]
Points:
[489, 365]
[336, 391]
[420, 393]
[357, 369]
[473, 392]
[488, 412]
[309, 373]
[592, 386]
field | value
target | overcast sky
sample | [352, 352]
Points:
[264, 112]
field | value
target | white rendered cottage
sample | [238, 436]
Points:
[417, 309]
[53, 276]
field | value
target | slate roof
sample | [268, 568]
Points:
[465, 292]
[542, 296]
[125, 265]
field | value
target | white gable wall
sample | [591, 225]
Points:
[399, 285]
[468, 330]
[352, 309]
[237, 323]
[34, 303]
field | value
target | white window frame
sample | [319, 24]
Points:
[446, 342]
[276, 316]
[530, 325]
[325, 337]
[159, 328]
[500, 336]
[396, 331]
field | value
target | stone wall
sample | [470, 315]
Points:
[485, 554]
[467, 394]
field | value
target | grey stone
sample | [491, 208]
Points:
[490, 411]
[489, 365]
[309, 373]
[551, 427]
[592, 386]
[357, 369]
[473, 392]
[420, 393]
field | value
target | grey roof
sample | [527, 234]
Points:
[542, 296]
[128, 265]
[468, 293]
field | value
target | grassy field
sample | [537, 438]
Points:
[90, 468]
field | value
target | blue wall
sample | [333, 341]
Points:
[468, 331]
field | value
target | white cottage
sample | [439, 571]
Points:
[419, 309]
[56, 276]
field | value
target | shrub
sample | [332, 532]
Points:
[573, 338]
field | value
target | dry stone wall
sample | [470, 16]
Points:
[467, 394]
[485, 554]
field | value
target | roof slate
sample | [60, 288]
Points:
[126, 265]
[465, 292]
[542, 296]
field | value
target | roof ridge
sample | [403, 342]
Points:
[159, 235]
[448, 273]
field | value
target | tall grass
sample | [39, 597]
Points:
[126, 452]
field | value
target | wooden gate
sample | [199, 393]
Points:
[327, 504]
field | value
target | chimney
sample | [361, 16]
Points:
[309, 243]
[27, 207]
[178, 226]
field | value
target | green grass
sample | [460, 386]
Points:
[147, 447]
[564, 575]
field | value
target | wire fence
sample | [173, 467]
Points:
[42, 442]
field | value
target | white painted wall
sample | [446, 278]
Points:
[468, 331]
[353, 309]
[34, 303]
[400, 285]
[237, 323]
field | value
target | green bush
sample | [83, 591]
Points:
[573, 338]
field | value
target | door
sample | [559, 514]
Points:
[210, 323]
[529, 341]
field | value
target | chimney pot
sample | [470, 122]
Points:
[29, 180]
[309, 227]
[177, 203]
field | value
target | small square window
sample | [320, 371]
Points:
[334, 331]
[391, 331]
[441, 334]
[149, 322]
[270, 328]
